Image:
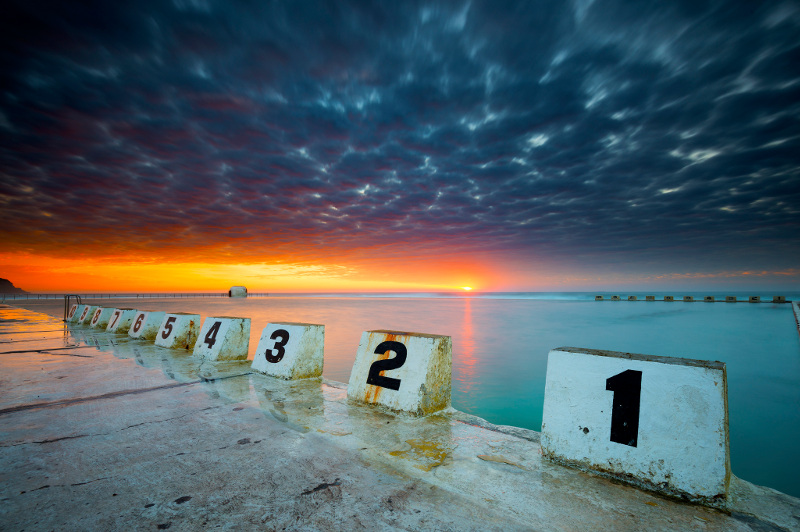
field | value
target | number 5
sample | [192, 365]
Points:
[168, 327]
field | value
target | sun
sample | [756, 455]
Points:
[467, 288]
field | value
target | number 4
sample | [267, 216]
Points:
[211, 335]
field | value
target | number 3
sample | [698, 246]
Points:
[283, 334]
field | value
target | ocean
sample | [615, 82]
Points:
[501, 342]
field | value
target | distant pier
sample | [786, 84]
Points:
[692, 299]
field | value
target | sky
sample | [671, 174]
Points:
[399, 146]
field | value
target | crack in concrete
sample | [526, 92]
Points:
[46, 351]
[110, 395]
[46, 486]
[62, 438]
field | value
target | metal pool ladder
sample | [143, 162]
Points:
[66, 303]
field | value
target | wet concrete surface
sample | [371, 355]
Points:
[103, 432]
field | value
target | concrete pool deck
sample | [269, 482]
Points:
[103, 432]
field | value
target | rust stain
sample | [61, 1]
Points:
[373, 393]
[430, 453]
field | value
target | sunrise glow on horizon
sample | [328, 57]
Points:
[400, 147]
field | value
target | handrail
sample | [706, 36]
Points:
[66, 303]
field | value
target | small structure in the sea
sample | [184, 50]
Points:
[237, 291]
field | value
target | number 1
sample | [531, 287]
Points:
[627, 388]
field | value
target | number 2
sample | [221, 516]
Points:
[627, 388]
[283, 334]
[374, 377]
[168, 327]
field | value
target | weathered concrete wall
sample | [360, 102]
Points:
[223, 338]
[100, 317]
[291, 350]
[656, 421]
[146, 324]
[409, 372]
[121, 320]
[179, 330]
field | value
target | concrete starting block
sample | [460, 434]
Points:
[86, 314]
[100, 317]
[223, 338]
[631, 298]
[121, 320]
[291, 350]
[659, 423]
[649, 298]
[669, 298]
[146, 324]
[730, 299]
[75, 312]
[688, 299]
[408, 372]
[178, 331]
[708, 299]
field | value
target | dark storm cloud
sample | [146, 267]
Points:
[568, 129]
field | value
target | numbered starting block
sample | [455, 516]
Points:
[86, 314]
[291, 350]
[178, 330]
[100, 318]
[656, 422]
[146, 324]
[75, 312]
[409, 372]
[121, 320]
[223, 338]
